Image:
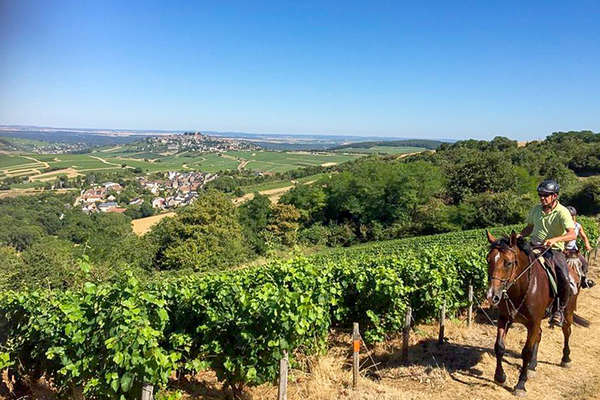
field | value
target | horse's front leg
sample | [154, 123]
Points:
[500, 349]
[533, 331]
[533, 362]
[566, 328]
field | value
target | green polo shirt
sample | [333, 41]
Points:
[553, 224]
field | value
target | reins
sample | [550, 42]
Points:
[526, 269]
[513, 281]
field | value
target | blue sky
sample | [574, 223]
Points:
[436, 70]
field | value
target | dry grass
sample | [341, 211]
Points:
[141, 226]
[52, 175]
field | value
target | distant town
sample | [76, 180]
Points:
[176, 190]
[190, 141]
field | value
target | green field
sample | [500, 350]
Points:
[263, 161]
[8, 161]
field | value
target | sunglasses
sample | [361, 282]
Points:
[545, 194]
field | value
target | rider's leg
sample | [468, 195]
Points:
[585, 281]
[564, 291]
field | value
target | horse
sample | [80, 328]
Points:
[520, 288]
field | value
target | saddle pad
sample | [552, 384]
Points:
[550, 273]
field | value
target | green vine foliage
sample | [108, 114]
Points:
[110, 339]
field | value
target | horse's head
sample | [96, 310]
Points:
[502, 262]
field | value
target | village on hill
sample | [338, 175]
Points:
[176, 190]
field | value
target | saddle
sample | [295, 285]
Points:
[574, 263]
[548, 265]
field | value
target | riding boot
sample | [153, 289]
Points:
[558, 316]
[564, 290]
[587, 283]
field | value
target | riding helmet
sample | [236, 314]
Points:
[572, 210]
[549, 186]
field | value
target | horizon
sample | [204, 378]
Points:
[386, 70]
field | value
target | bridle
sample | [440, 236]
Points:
[508, 283]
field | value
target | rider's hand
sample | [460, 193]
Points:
[549, 242]
[588, 247]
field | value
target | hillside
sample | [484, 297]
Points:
[410, 143]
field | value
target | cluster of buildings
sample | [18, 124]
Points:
[193, 141]
[100, 198]
[179, 189]
[60, 148]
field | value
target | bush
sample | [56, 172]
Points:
[340, 235]
[316, 234]
[204, 235]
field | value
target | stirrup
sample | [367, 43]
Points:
[587, 283]
[557, 319]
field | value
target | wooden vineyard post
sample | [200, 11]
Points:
[283, 377]
[355, 351]
[406, 333]
[470, 312]
[442, 323]
[147, 391]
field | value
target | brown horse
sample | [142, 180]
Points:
[519, 287]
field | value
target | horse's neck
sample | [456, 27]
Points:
[521, 272]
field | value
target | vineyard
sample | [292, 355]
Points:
[110, 339]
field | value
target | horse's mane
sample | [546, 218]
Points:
[504, 245]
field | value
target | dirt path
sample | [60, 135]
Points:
[46, 165]
[102, 160]
[273, 194]
[242, 165]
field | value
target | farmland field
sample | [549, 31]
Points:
[64, 164]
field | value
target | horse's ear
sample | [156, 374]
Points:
[490, 237]
[513, 239]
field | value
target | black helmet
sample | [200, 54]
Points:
[572, 210]
[549, 186]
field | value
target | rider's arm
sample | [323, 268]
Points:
[570, 235]
[585, 239]
[527, 230]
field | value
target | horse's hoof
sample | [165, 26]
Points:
[519, 392]
[565, 364]
[500, 378]
[531, 373]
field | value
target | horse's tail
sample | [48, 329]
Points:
[581, 321]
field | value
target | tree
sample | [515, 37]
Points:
[480, 172]
[310, 200]
[20, 236]
[283, 223]
[204, 235]
[254, 216]
[50, 264]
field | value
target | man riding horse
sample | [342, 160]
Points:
[571, 249]
[550, 224]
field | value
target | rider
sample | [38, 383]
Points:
[550, 224]
[572, 246]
